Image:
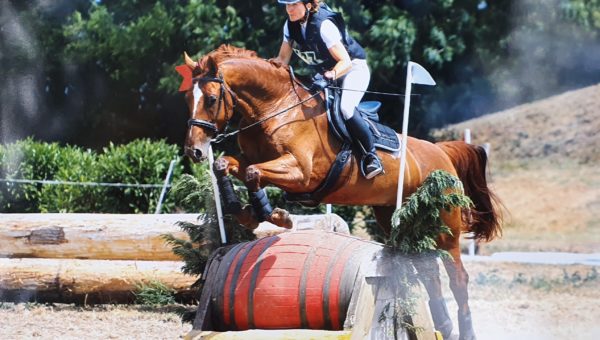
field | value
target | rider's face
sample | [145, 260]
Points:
[295, 11]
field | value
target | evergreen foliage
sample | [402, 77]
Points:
[417, 224]
[196, 193]
[154, 293]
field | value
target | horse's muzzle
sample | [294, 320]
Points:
[195, 154]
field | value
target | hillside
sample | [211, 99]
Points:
[559, 128]
[544, 159]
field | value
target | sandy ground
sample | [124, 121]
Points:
[508, 301]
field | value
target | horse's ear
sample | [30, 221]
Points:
[211, 65]
[189, 62]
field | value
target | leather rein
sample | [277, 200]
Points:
[212, 127]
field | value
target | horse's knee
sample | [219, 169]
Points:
[252, 178]
[221, 166]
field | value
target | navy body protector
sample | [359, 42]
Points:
[313, 50]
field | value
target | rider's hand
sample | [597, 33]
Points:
[275, 61]
[319, 83]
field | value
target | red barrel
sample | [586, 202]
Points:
[292, 280]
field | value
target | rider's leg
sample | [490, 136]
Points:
[358, 80]
[360, 131]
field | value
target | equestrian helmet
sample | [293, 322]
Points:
[290, 2]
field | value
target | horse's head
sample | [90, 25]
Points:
[261, 86]
[210, 102]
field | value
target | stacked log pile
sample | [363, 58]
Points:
[88, 258]
[103, 258]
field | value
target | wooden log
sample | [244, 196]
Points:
[87, 281]
[90, 236]
[117, 236]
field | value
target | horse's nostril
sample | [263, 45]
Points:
[197, 153]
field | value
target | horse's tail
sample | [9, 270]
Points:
[470, 162]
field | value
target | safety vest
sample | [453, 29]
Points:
[313, 50]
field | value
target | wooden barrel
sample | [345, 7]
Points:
[292, 280]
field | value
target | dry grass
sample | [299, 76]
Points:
[508, 301]
[26, 321]
[544, 166]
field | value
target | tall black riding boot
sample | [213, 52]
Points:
[370, 163]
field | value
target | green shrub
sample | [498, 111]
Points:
[141, 161]
[30, 160]
[79, 166]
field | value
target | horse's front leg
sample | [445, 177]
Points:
[228, 165]
[282, 172]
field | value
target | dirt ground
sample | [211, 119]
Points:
[508, 301]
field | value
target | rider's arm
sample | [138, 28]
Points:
[333, 40]
[285, 53]
[344, 64]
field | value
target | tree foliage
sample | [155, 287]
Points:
[104, 69]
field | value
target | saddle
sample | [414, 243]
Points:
[384, 137]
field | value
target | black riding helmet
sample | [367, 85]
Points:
[289, 2]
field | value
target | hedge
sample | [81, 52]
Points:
[139, 162]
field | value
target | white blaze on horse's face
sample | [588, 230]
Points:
[196, 145]
[197, 96]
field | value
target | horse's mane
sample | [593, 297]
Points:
[227, 52]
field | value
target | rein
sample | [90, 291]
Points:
[212, 127]
[221, 137]
[373, 92]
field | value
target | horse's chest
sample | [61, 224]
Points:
[260, 149]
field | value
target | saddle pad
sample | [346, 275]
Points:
[384, 137]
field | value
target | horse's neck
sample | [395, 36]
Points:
[261, 92]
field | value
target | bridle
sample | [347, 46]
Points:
[208, 125]
[212, 127]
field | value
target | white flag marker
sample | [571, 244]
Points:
[415, 74]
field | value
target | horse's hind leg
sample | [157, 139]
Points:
[457, 275]
[429, 274]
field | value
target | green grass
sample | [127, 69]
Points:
[154, 293]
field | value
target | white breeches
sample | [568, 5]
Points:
[357, 79]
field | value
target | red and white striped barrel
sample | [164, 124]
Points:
[292, 280]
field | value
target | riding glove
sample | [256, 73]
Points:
[319, 83]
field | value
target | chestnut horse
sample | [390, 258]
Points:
[285, 141]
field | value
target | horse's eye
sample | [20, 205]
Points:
[211, 100]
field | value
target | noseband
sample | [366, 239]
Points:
[205, 124]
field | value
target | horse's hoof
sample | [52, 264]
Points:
[446, 330]
[281, 218]
[468, 336]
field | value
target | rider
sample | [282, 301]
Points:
[319, 37]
